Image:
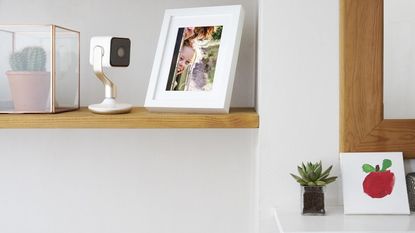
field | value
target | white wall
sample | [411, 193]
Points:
[398, 79]
[127, 181]
[106, 181]
[298, 99]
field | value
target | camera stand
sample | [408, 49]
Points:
[110, 104]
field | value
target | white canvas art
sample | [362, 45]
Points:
[374, 183]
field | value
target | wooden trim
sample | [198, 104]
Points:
[53, 69]
[138, 118]
[362, 125]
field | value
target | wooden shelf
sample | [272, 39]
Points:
[138, 118]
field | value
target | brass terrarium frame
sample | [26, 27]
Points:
[362, 124]
[53, 108]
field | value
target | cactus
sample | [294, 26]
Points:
[313, 175]
[29, 59]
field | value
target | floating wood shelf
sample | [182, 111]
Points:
[138, 118]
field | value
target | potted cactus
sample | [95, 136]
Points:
[313, 180]
[29, 82]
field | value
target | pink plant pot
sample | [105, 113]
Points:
[30, 90]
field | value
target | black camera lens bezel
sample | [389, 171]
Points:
[116, 43]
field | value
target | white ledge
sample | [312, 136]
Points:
[290, 220]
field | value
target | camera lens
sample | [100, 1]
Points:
[121, 52]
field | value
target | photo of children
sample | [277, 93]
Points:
[194, 59]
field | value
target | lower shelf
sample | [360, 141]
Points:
[291, 221]
[138, 118]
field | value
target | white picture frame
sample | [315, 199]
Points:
[200, 91]
[374, 183]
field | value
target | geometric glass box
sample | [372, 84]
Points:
[39, 69]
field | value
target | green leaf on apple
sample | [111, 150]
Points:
[387, 163]
[368, 168]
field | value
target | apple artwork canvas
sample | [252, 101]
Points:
[374, 183]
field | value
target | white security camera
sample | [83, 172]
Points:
[107, 51]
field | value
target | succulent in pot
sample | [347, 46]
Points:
[29, 81]
[313, 180]
[29, 59]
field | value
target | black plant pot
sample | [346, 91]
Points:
[312, 198]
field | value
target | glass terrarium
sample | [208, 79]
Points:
[39, 69]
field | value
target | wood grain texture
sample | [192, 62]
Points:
[361, 64]
[138, 118]
[391, 135]
[362, 124]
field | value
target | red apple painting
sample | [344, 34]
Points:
[374, 183]
[379, 182]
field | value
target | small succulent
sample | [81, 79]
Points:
[312, 175]
[28, 59]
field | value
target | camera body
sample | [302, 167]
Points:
[116, 51]
[108, 51]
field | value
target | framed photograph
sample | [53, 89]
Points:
[374, 183]
[195, 62]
